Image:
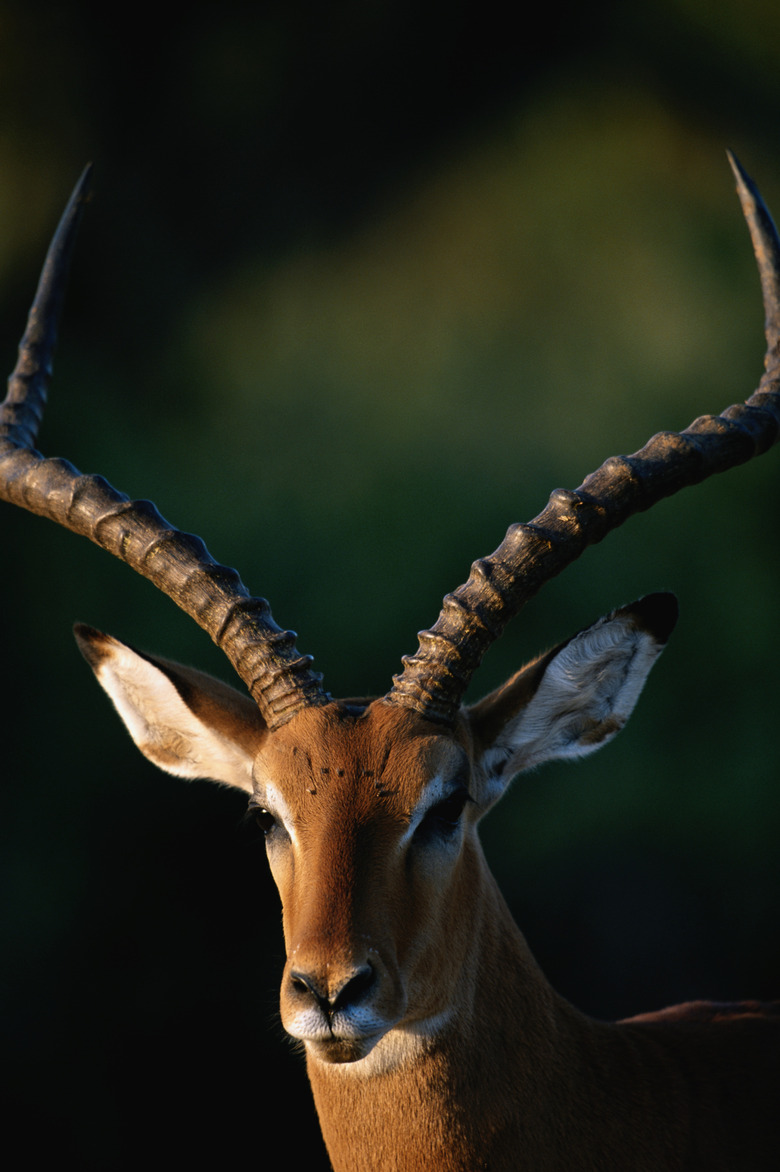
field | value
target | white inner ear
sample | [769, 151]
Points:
[585, 696]
[165, 730]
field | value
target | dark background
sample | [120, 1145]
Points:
[359, 285]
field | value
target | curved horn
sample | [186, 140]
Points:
[434, 680]
[265, 657]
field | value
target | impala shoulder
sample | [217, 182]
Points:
[696, 1013]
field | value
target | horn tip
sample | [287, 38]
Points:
[746, 188]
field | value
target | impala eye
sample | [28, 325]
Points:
[262, 818]
[443, 819]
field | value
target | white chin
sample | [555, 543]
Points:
[334, 1050]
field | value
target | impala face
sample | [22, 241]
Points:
[370, 834]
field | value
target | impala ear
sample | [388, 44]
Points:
[183, 720]
[574, 699]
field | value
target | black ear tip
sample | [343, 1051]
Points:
[91, 642]
[658, 613]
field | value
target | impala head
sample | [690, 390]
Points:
[370, 808]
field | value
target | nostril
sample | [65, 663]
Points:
[306, 985]
[355, 988]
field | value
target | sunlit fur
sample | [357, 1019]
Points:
[432, 1039]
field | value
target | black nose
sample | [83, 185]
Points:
[350, 991]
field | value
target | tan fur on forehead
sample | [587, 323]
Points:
[391, 750]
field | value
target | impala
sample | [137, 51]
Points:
[432, 1039]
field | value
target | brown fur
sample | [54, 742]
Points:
[433, 1041]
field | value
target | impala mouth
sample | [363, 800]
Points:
[340, 1039]
[335, 1050]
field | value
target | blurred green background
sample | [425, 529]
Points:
[359, 285]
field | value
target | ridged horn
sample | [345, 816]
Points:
[434, 679]
[263, 654]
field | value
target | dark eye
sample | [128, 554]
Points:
[443, 818]
[262, 818]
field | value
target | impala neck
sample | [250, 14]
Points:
[514, 1079]
[484, 1084]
